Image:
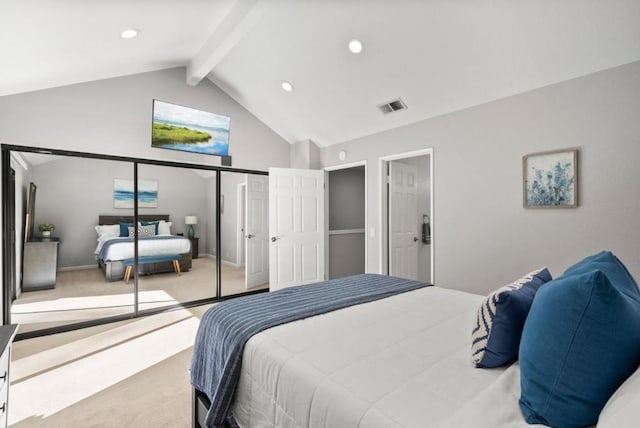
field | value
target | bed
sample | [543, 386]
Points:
[401, 360]
[112, 251]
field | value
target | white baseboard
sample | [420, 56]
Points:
[228, 263]
[224, 262]
[93, 266]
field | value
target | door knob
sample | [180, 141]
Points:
[249, 236]
[274, 239]
[415, 239]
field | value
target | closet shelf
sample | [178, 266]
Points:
[346, 231]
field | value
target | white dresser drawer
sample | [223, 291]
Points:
[4, 366]
[4, 402]
[7, 334]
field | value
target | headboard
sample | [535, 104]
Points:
[115, 219]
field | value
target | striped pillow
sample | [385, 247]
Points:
[500, 320]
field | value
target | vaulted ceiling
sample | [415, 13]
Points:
[439, 56]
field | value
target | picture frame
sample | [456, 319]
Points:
[31, 213]
[186, 129]
[550, 179]
[123, 193]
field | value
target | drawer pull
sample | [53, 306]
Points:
[4, 376]
[3, 408]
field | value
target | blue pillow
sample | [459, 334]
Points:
[580, 342]
[608, 263]
[124, 229]
[498, 326]
[149, 223]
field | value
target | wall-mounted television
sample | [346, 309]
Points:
[186, 129]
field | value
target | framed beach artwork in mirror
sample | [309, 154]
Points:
[123, 193]
[550, 179]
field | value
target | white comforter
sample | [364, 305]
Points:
[146, 247]
[403, 361]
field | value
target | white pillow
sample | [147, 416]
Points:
[108, 231]
[164, 227]
[623, 408]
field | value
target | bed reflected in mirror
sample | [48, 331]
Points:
[79, 263]
[59, 281]
[176, 254]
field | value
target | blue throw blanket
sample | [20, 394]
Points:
[109, 243]
[225, 328]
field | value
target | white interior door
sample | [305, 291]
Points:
[403, 225]
[296, 227]
[256, 230]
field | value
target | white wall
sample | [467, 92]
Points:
[483, 237]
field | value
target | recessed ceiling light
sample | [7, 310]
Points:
[287, 86]
[129, 33]
[355, 46]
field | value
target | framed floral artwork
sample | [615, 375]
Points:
[550, 179]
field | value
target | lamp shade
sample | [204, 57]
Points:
[191, 219]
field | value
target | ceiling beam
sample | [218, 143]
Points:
[244, 14]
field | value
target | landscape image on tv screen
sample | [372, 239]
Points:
[182, 128]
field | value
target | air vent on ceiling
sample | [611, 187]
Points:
[392, 106]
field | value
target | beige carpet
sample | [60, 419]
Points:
[81, 295]
[126, 374]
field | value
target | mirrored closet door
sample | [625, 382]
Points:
[79, 257]
[176, 240]
[64, 252]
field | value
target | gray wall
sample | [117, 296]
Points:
[346, 255]
[181, 192]
[305, 155]
[483, 237]
[346, 211]
[229, 218]
[73, 192]
[314, 155]
[346, 198]
[113, 116]
[210, 200]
